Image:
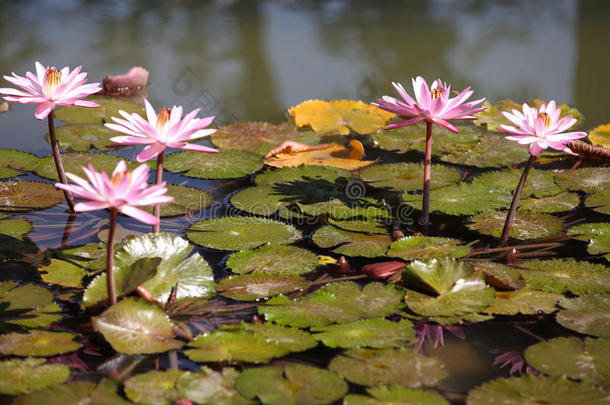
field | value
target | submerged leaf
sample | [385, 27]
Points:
[561, 275]
[407, 176]
[525, 225]
[273, 258]
[38, 343]
[226, 164]
[377, 333]
[588, 314]
[19, 376]
[28, 195]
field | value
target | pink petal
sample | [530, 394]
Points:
[149, 152]
[91, 206]
[44, 109]
[139, 214]
[197, 148]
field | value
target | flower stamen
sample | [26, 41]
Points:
[119, 175]
[52, 79]
[436, 93]
[546, 119]
[162, 118]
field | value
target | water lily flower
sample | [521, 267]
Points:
[514, 359]
[434, 106]
[50, 87]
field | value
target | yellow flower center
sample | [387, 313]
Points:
[118, 176]
[436, 93]
[162, 118]
[52, 79]
[546, 119]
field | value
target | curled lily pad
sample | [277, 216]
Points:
[427, 247]
[75, 161]
[28, 195]
[235, 233]
[255, 343]
[377, 333]
[548, 205]
[540, 183]
[19, 376]
[499, 276]
[599, 201]
[561, 275]
[349, 243]
[462, 199]
[254, 286]
[134, 325]
[12, 162]
[524, 301]
[82, 137]
[38, 343]
[598, 236]
[407, 176]
[395, 395]
[186, 200]
[291, 384]
[62, 273]
[339, 302]
[525, 225]
[436, 275]
[207, 386]
[109, 107]
[260, 137]
[579, 360]
[404, 367]
[531, 389]
[588, 314]
[29, 305]
[273, 258]
[15, 227]
[153, 387]
[588, 179]
[225, 164]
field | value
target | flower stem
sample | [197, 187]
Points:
[110, 258]
[58, 164]
[158, 179]
[513, 206]
[425, 220]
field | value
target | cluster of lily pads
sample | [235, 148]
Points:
[315, 282]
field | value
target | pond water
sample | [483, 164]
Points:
[252, 61]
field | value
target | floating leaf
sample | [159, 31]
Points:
[395, 395]
[531, 389]
[235, 233]
[254, 343]
[540, 183]
[107, 392]
[404, 367]
[462, 199]
[273, 258]
[74, 393]
[427, 247]
[226, 164]
[75, 161]
[490, 151]
[254, 286]
[153, 387]
[436, 275]
[338, 117]
[547, 205]
[579, 360]
[63, 273]
[352, 243]
[207, 386]
[13, 161]
[339, 302]
[260, 137]
[19, 376]
[15, 227]
[28, 305]
[264, 201]
[589, 314]
[292, 154]
[561, 275]
[525, 225]
[186, 200]
[524, 301]
[38, 343]
[601, 136]
[28, 195]
[599, 201]
[14, 248]
[407, 176]
[82, 137]
[109, 107]
[499, 276]
[588, 179]
[134, 326]
[376, 333]
[598, 236]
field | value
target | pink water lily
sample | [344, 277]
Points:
[50, 87]
[158, 132]
[541, 128]
[432, 104]
[123, 192]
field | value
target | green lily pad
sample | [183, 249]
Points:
[438, 276]
[377, 333]
[186, 201]
[62, 273]
[598, 236]
[588, 179]
[395, 395]
[226, 164]
[490, 151]
[255, 286]
[524, 301]
[462, 199]
[260, 137]
[427, 247]
[261, 200]
[153, 387]
[588, 314]
[561, 275]
[599, 201]
[15, 227]
[12, 162]
[547, 205]
[404, 367]
[28, 195]
[339, 302]
[207, 386]
[91, 256]
[531, 389]
[371, 241]
[540, 183]
[254, 343]
[291, 384]
[19, 376]
[525, 225]
[38, 343]
[580, 360]
[499, 276]
[107, 392]
[29, 305]
[235, 233]
[75, 161]
[74, 393]
[109, 107]
[407, 176]
[134, 326]
[82, 137]
[273, 258]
